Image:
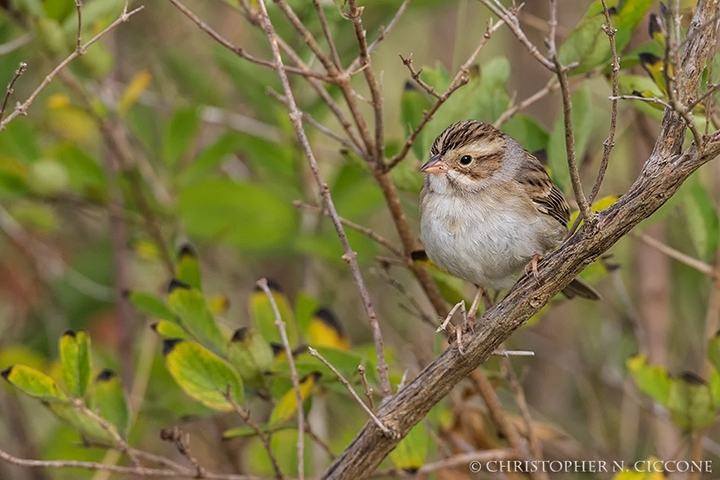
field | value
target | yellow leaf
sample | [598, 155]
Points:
[287, 406]
[325, 330]
[134, 90]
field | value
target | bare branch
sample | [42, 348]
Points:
[280, 324]
[359, 228]
[511, 19]
[239, 51]
[11, 86]
[561, 72]
[609, 143]
[349, 256]
[505, 426]
[458, 81]
[352, 392]
[22, 108]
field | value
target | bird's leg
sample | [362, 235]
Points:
[532, 267]
[475, 304]
[460, 305]
[458, 331]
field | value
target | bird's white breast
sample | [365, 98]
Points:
[483, 237]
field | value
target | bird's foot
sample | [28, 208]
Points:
[532, 267]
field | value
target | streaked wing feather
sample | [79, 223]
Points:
[543, 193]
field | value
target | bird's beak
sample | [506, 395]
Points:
[434, 165]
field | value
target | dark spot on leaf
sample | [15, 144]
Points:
[105, 376]
[240, 334]
[175, 284]
[169, 345]
[692, 378]
[326, 316]
[6, 373]
[69, 333]
[186, 250]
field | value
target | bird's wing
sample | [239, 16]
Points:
[544, 194]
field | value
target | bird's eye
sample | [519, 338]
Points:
[465, 160]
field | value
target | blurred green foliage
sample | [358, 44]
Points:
[178, 139]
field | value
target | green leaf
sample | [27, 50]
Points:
[85, 173]
[410, 453]
[582, 120]
[90, 428]
[180, 134]
[34, 383]
[195, 316]
[187, 269]
[202, 375]
[354, 193]
[702, 218]
[413, 104]
[205, 164]
[151, 305]
[109, 398]
[251, 356]
[528, 131]
[690, 403]
[76, 361]
[588, 44]
[287, 406]
[169, 330]
[651, 380]
[264, 316]
[245, 215]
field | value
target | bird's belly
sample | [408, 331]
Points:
[488, 248]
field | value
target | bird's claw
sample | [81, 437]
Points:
[532, 267]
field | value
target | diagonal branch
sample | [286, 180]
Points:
[661, 177]
[350, 256]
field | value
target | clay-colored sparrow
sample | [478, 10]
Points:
[488, 208]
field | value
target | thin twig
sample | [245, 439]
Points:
[513, 353]
[328, 35]
[655, 100]
[458, 81]
[264, 439]
[181, 440]
[609, 143]
[78, 7]
[514, 382]
[349, 256]
[561, 72]
[320, 442]
[383, 33]
[711, 88]
[366, 386]
[322, 128]
[549, 87]
[239, 51]
[357, 227]
[677, 254]
[135, 471]
[120, 442]
[512, 21]
[280, 324]
[21, 109]
[385, 275]
[503, 424]
[387, 431]
[11, 86]
[355, 14]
